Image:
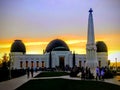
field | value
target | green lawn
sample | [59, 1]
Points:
[51, 74]
[60, 84]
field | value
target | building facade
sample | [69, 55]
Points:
[53, 58]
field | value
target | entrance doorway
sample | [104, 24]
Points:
[61, 62]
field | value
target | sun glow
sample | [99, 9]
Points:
[75, 43]
[113, 56]
[5, 45]
[35, 43]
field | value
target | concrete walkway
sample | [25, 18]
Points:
[16, 82]
[112, 81]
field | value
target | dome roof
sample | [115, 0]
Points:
[101, 46]
[57, 45]
[18, 46]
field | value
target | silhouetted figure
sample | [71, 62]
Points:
[86, 73]
[28, 72]
[102, 73]
[97, 73]
[83, 74]
[32, 71]
[74, 71]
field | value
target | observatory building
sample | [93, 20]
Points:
[58, 54]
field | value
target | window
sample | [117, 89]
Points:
[37, 63]
[26, 63]
[42, 63]
[99, 63]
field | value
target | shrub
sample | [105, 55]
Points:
[4, 75]
[108, 74]
[17, 73]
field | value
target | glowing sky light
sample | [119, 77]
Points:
[37, 22]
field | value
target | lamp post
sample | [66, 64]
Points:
[116, 63]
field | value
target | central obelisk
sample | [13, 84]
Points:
[91, 62]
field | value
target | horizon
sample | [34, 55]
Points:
[37, 23]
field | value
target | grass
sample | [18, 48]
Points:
[59, 84]
[51, 74]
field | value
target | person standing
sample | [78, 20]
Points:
[28, 72]
[97, 73]
[32, 71]
[102, 73]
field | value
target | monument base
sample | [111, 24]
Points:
[92, 65]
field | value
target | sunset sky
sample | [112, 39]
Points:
[37, 22]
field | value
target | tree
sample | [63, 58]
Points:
[4, 72]
[5, 62]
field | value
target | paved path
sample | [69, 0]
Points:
[14, 83]
[113, 81]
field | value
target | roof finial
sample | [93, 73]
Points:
[90, 10]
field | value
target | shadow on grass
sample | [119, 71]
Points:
[51, 74]
[59, 84]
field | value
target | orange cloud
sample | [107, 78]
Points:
[75, 43]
